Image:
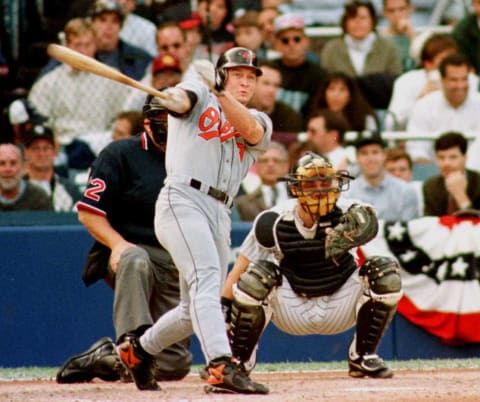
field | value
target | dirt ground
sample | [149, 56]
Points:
[440, 385]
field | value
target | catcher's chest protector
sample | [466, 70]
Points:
[304, 264]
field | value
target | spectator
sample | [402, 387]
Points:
[217, 33]
[40, 156]
[400, 28]
[16, 193]
[467, 35]
[107, 19]
[271, 164]
[455, 188]
[297, 149]
[361, 52]
[285, 119]
[77, 103]
[266, 22]
[171, 39]
[393, 199]
[192, 33]
[340, 93]
[452, 108]
[415, 84]
[117, 209]
[136, 30]
[127, 124]
[300, 76]
[165, 72]
[399, 164]
[247, 33]
[326, 130]
[21, 116]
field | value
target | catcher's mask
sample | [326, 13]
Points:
[158, 117]
[316, 184]
[236, 57]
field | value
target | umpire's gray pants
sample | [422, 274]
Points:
[146, 287]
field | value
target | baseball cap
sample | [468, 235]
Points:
[361, 138]
[165, 61]
[107, 6]
[21, 111]
[288, 21]
[38, 131]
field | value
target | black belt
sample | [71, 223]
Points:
[213, 192]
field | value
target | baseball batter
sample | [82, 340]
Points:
[297, 267]
[213, 140]
[118, 208]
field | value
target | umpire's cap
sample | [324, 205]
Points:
[152, 107]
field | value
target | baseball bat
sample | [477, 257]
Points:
[85, 63]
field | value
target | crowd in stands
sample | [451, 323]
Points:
[389, 69]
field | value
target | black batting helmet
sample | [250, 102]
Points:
[237, 57]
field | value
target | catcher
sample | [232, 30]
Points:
[297, 267]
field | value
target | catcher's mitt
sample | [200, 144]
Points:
[357, 226]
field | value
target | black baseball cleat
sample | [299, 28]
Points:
[227, 377]
[99, 361]
[369, 366]
[139, 363]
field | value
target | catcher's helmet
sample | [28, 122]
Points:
[236, 57]
[316, 183]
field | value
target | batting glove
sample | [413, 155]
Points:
[210, 76]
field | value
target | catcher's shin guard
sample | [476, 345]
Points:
[245, 329]
[248, 317]
[377, 307]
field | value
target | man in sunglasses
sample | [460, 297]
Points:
[300, 75]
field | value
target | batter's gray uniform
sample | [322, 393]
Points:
[206, 161]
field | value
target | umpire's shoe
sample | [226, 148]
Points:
[139, 363]
[370, 366]
[100, 360]
[227, 377]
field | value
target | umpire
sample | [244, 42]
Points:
[117, 208]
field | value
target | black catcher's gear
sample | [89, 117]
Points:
[234, 57]
[375, 314]
[248, 314]
[259, 279]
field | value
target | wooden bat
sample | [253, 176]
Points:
[85, 63]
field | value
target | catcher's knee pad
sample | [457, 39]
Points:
[258, 280]
[383, 276]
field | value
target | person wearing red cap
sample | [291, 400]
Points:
[165, 72]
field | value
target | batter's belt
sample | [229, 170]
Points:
[213, 192]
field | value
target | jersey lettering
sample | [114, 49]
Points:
[95, 187]
[211, 127]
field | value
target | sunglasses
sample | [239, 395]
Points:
[295, 39]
